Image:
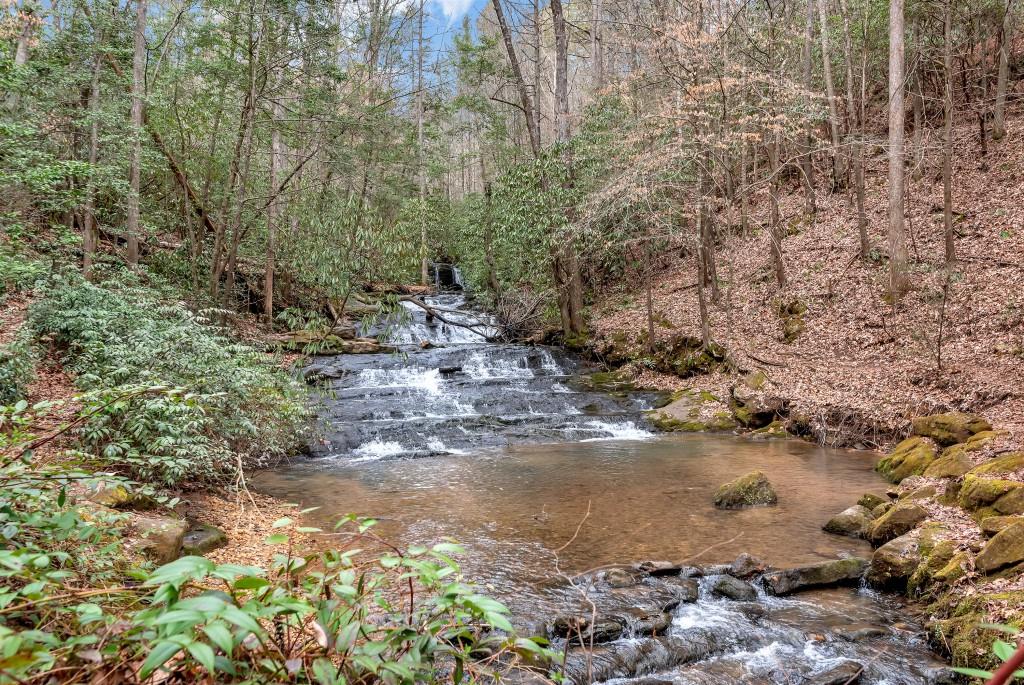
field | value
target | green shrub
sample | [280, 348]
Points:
[18, 273]
[16, 366]
[72, 609]
[120, 338]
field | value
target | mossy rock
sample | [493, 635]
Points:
[202, 538]
[955, 568]
[964, 635]
[722, 421]
[978, 492]
[792, 328]
[935, 559]
[686, 356]
[775, 429]
[608, 381]
[894, 563]
[823, 574]
[882, 508]
[577, 342]
[990, 525]
[752, 489]
[852, 522]
[923, 492]
[897, 521]
[912, 457]
[1005, 549]
[119, 496]
[1011, 503]
[670, 424]
[952, 464]
[870, 500]
[950, 428]
[1006, 463]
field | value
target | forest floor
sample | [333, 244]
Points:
[860, 360]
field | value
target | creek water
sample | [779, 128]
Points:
[509, 450]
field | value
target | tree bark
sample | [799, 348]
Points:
[838, 171]
[420, 172]
[89, 232]
[135, 164]
[855, 134]
[525, 100]
[897, 231]
[776, 231]
[1005, 38]
[947, 137]
[806, 163]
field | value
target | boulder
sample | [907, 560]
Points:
[902, 518]
[202, 538]
[923, 492]
[750, 403]
[119, 496]
[852, 522]
[823, 574]
[658, 568]
[749, 490]
[686, 590]
[1011, 503]
[775, 429]
[990, 525]
[579, 629]
[979, 491]
[878, 511]
[954, 569]
[747, 566]
[951, 428]
[870, 500]
[952, 464]
[1006, 463]
[733, 588]
[1006, 548]
[893, 563]
[909, 458]
[858, 632]
[846, 673]
[159, 538]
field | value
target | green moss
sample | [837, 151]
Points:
[952, 464]
[775, 429]
[909, 458]
[748, 490]
[1007, 463]
[950, 428]
[960, 633]
[667, 423]
[722, 421]
[978, 492]
[870, 500]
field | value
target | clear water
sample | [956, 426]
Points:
[504, 448]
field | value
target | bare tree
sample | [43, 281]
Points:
[1005, 38]
[830, 91]
[947, 142]
[135, 164]
[897, 231]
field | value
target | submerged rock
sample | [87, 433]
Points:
[580, 629]
[900, 519]
[852, 522]
[838, 572]
[733, 588]
[620, 577]
[950, 428]
[748, 490]
[846, 673]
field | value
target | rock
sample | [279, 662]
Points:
[1011, 503]
[750, 403]
[858, 632]
[869, 500]
[686, 590]
[118, 496]
[749, 490]
[902, 518]
[846, 673]
[747, 566]
[951, 428]
[823, 574]
[954, 569]
[880, 510]
[202, 538]
[979, 491]
[620, 577]
[310, 341]
[852, 522]
[687, 413]
[923, 492]
[990, 525]
[893, 563]
[658, 568]
[1006, 463]
[579, 629]
[952, 464]
[909, 458]
[733, 588]
[752, 610]
[775, 429]
[1006, 548]
[159, 538]
[639, 623]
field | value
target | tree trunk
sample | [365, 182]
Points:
[525, 100]
[854, 129]
[806, 163]
[830, 91]
[1005, 38]
[420, 172]
[596, 46]
[947, 137]
[89, 232]
[897, 230]
[27, 18]
[135, 163]
[274, 208]
[776, 230]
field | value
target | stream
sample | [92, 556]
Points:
[509, 450]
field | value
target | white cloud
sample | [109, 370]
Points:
[454, 9]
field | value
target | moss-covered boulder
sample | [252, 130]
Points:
[852, 522]
[119, 496]
[956, 568]
[950, 428]
[870, 500]
[961, 631]
[791, 315]
[990, 525]
[775, 429]
[909, 458]
[607, 381]
[979, 491]
[951, 464]
[752, 404]
[823, 574]
[1006, 548]
[1011, 503]
[893, 563]
[692, 411]
[1006, 463]
[752, 489]
[686, 356]
[201, 539]
[902, 518]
